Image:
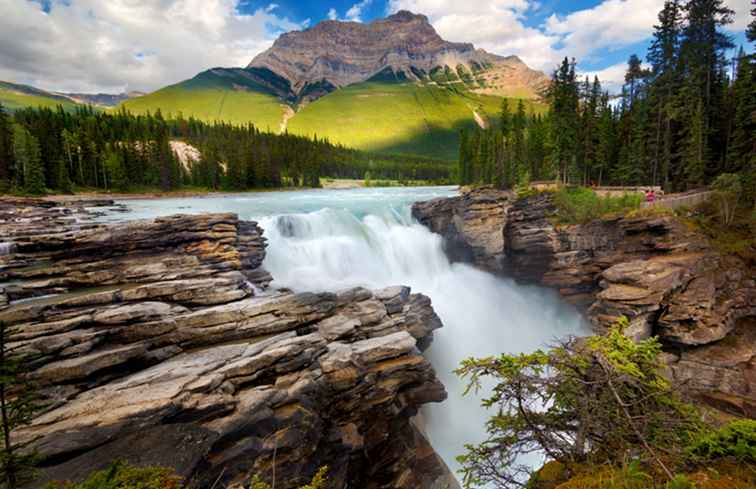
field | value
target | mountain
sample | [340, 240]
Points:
[234, 95]
[391, 85]
[335, 54]
[102, 99]
[14, 96]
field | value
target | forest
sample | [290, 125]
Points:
[679, 123]
[45, 150]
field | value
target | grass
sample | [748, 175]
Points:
[580, 205]
[386, 116]
[211, 97]
[739, 238]
[14, 97]
[396, 117]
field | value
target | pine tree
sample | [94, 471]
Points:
[702, 56]
[505, 119]
[6, 150]
[18, 404]
[464, 159]
[564, 101]
[664, 82]
[27, 156]
[741, 148]
[519, 149]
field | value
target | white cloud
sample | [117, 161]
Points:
[498, 26]
[612, 77]
[742, 15]
[355, 12]
[92, 45]
[332, 14]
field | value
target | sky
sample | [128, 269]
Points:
[120, 45]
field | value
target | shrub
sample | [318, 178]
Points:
[600, 400]
[579, 205]
[120, 475]
[727, 189]
[317, 482]
[736, 440]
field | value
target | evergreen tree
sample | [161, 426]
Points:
[741, 148]
[702, 57]
[663, 58]
[519, 148]
[18, 404]
[564, 101]
[505, 119]
[27, 156]
[6, 150]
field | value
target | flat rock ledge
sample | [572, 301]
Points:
[157, 342]
[665, 278]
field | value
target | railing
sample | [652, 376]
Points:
[673, 201]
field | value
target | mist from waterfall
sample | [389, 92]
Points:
[482, 315]
[325, 240]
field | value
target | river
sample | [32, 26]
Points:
[321, 240]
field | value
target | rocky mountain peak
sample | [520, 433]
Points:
[334, 54]
[405, 16]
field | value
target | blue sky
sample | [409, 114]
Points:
[116, 45]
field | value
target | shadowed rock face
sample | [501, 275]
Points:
[466, 222]
[155, 342]
[666, 279]
[335, 54]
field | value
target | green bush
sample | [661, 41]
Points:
[317, 482]
[737, 440]
[120, 475]
[680, 482]
[579, 205]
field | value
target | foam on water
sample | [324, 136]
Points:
[329, 240]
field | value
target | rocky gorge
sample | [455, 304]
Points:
[667, 279]
[158, 342]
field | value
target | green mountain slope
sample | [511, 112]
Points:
[404, 117]
[231, 95]
[14, 96]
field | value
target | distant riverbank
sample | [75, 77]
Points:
[149, 194]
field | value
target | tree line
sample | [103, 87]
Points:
[44, 149]
[679, 123]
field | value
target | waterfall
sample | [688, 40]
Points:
[332, 239]
[483, 315]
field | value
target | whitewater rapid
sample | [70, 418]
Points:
[331, 240]
[482, 315]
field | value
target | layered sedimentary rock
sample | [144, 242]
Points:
[155, 342]
[335, 54]
[666, 279]
[468, 223]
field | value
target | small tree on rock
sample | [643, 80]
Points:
[598, 400]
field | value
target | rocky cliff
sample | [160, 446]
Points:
[334, 54]
[666, 279]
[466, 223]
[156, 342]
